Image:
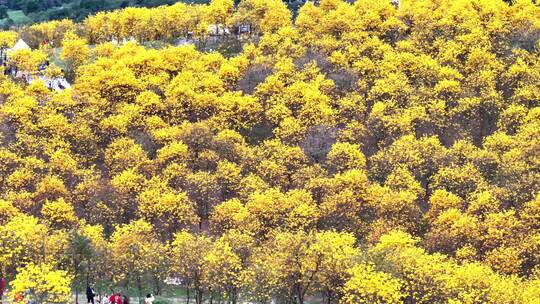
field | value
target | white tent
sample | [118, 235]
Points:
[20, 45]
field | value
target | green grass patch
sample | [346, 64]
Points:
[18, 17]
[55, 58]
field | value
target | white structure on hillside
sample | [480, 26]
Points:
[20, 45]
[218, 29]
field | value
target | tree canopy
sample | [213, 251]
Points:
[362, 152]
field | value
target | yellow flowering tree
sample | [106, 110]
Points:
[22, 238]
[59, 214]
[41, 284]
[364, 151]
[366, 285]
[75, 52]
[189, 261]
[7, 40]
[27, 61]
[136, 254]
[225, 269]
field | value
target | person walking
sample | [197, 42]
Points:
[90, 294]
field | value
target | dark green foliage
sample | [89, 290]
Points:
[18, 12]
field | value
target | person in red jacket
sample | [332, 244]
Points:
[2, 285]
[116, 299]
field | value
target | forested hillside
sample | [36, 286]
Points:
[358, 153]
[20, 12]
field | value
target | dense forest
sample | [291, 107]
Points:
[366, 152]
[20, 12]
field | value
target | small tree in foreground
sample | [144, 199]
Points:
[41, 284]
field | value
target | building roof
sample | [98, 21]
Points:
[20, 45]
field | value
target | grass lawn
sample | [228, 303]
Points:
[18, 17]
[55, 58]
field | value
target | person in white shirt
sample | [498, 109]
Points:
[105, 300]
[149, 299]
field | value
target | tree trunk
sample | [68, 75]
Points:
[199, 296]
[328, 296]
[300, 294]
[139, 287]
[233, 296]
[157, 290]
[198, 293]
[187, 292]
